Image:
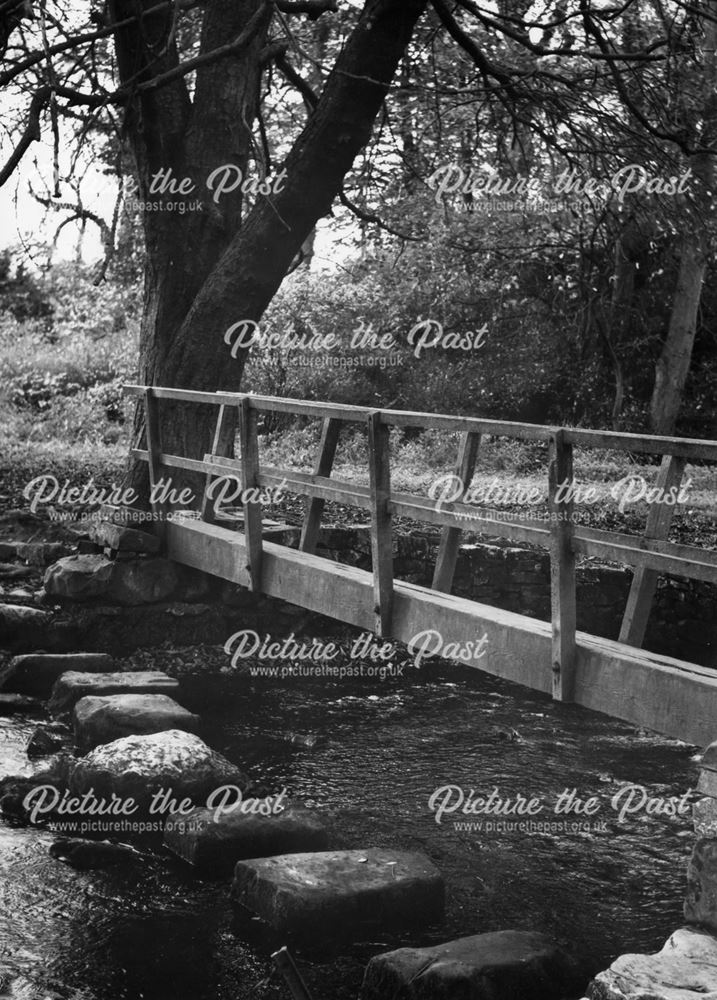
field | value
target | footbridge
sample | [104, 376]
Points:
[619, 678]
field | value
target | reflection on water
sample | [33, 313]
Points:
[153, 931]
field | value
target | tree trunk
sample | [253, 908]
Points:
[674, 363]
[207, 271]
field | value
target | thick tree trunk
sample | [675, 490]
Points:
[189, 350]
[673, 365]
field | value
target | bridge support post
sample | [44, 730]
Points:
[562, 565]
[250, 482]
[381, 534]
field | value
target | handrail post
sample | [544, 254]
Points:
[250, 481]
[451, 537]
[153, 434]
[381, 534]
[644, 579]
[330, 430]
[562, 565]
[222, 446]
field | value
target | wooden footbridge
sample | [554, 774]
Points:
[619, 678]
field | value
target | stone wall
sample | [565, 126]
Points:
[683, 622]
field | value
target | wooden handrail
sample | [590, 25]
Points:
[687, 448]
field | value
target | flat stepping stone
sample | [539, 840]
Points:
[214, 844]
[101, 719]
[36, 673]
[345, 895]
[685, 969]
[502, 965]
[73, 685]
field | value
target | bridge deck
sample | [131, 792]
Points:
[658, 692]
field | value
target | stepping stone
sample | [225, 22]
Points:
[74, 685]
[102, 719]
[12, 704]
[178, 764]
[36, 673]
[18, 622]
[214, 844]
[503, 965]
[701, 898]
[685, 969]
[346, 895]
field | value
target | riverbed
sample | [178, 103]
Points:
[153, 930]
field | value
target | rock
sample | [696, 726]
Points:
[138, 767]
[20, 623]
[102, 719]
[87, 854]
[704, 813]
[8, 571]
[138, 580]
[686, 968]
[502, 965]
[49, 738]
[14, 788]
[216, 844]
[79, 578]
[13, 704]
[36, 673]
[143, 581]
[41, 553]
[344, 895]
[308, 740]
[74, 685]
[701, 898]
[124, 539]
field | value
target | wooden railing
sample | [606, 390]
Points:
[651, 554]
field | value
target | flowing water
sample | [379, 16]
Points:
[153, 930]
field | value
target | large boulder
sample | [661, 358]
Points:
[130, 582]
[175, 763]
[143, 581]
[214, 843]
[685, 969]
[36, 673]
[341, 895]
[102, 719]
[502, 965]
[79, 578]
[74, 685]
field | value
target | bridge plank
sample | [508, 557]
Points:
[658, 692]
